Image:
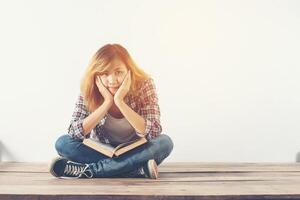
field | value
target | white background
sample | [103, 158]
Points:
[227, 72]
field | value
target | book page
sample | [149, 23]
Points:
[125, 144]
[102, 145]
[131, 145]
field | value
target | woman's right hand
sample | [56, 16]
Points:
[108, 97]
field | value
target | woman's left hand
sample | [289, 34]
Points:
[123, 89]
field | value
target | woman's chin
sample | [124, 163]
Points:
[113, 91]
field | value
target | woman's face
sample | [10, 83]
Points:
[113, 78]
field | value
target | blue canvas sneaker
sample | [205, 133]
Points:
[64, 168]
[148, 170]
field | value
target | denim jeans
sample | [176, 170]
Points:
[102, 166]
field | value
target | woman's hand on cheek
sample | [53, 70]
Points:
[104, 91]
[123, 89]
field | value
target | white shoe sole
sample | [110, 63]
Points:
[153, 170]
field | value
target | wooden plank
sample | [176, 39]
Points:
[25, 178]
[147, 197]
[177, 181]
[174, 167]
[97, 187]
[32, 182]
[230, 167]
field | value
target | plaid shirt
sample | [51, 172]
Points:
[145, 103]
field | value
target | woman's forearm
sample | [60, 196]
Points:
[94, 118]
[136, 121]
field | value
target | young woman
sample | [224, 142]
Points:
[118, 103]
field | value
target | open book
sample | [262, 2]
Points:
[109, 150]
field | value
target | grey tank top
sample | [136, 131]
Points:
[118, 130]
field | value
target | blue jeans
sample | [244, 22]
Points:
[102, 166]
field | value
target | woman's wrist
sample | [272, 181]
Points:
[108, 103]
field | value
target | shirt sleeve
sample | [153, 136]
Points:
[150, 110]
[80, 112]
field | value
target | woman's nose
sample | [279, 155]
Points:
[111, 79]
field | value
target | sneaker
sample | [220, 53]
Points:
[150, 169]
[64, 168]
[137, 173]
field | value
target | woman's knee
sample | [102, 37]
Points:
[165, 144]
[62, 143]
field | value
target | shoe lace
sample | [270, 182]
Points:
[141, 171]
[77, 171]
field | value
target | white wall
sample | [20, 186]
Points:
[227, 72]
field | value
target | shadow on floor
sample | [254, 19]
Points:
[4, 152]
[298, 157]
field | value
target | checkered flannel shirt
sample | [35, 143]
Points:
[145, 103]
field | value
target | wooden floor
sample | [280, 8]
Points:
[177, 181]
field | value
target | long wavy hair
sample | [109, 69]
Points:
[100, 63]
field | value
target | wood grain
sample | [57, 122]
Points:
[176, 181]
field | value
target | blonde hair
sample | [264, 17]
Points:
[98, 64]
